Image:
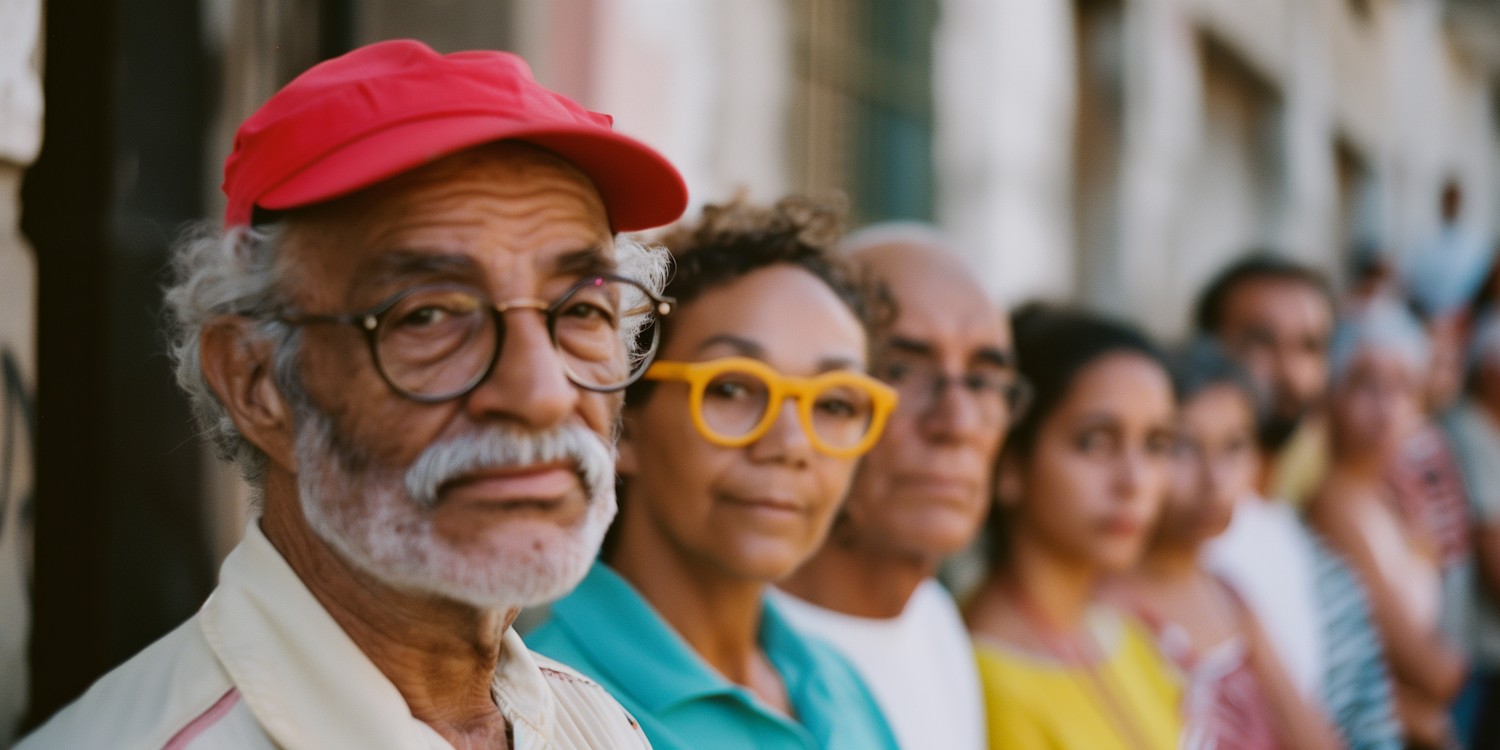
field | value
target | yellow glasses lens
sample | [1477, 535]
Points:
[842, 415]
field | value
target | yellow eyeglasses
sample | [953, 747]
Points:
[735, 400]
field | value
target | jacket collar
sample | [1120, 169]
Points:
[307, 682]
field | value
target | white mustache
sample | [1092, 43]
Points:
[505, 446]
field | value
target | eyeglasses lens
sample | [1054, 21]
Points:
[734, 403]
[597, 329]
[436, 342]
[993, 390]
[841, 415]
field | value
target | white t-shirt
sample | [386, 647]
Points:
[1267, 556]
[919, 665]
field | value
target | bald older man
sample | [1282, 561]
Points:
[411, 337]
[919, 496]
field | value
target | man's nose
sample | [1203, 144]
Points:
[950, 415]
[529, 383]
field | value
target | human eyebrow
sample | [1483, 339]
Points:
[995, 356]
[909, 346]
[407, 263]
[586, 261]
[831, 364]
[743, 346]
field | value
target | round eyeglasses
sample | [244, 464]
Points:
[999, 394]
[735, 400]
[439, 342]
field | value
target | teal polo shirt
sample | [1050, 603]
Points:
[606, 630]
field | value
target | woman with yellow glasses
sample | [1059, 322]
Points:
[736, 449]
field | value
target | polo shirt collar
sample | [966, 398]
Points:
[310, 686]
[630, 642]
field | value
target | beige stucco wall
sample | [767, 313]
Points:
[1392, 85]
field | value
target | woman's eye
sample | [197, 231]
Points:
[1092, 441]
[837, 408]
[728, 390]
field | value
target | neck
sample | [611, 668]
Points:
[717, 614]
[854, 579]
[1368, 463]
[440, 654]
[1169, 561]
[1059, 589]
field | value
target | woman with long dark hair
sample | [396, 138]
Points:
[1078, 487]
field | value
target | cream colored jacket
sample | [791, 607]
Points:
[264, 666]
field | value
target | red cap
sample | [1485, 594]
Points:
[364, 117]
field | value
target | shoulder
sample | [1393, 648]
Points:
[1344, 502]
[587, 714]
[171, 693]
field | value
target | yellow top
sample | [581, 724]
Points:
[1297, 470]
[1039, 703]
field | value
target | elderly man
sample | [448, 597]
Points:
[919, 496]
[411, 337]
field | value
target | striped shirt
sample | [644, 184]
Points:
[1356, 685]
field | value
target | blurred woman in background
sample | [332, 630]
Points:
[1378, 364]
[1239, 696]
[735, 453]
[1078, 487]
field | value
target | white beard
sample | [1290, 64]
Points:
[379, 519]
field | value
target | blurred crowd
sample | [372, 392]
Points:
[1282, 533]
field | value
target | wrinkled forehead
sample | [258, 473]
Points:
[500, 205]
[935, 299]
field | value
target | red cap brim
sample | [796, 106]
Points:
[640, 189]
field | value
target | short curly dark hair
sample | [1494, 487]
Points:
[1255, 265]
[733, 239]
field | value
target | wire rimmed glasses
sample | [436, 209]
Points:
[1000, 395]
[438, 342]
[735, 401]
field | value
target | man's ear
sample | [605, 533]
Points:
[1010, 481]
[237, 363]
[626, 463]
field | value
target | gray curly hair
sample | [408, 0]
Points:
[241, 272]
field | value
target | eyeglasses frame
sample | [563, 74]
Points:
[369, 322]
[780, 387]
[1015, 395]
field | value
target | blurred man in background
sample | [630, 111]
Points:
[920, 495]
[409, 337]
[1275, 316]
